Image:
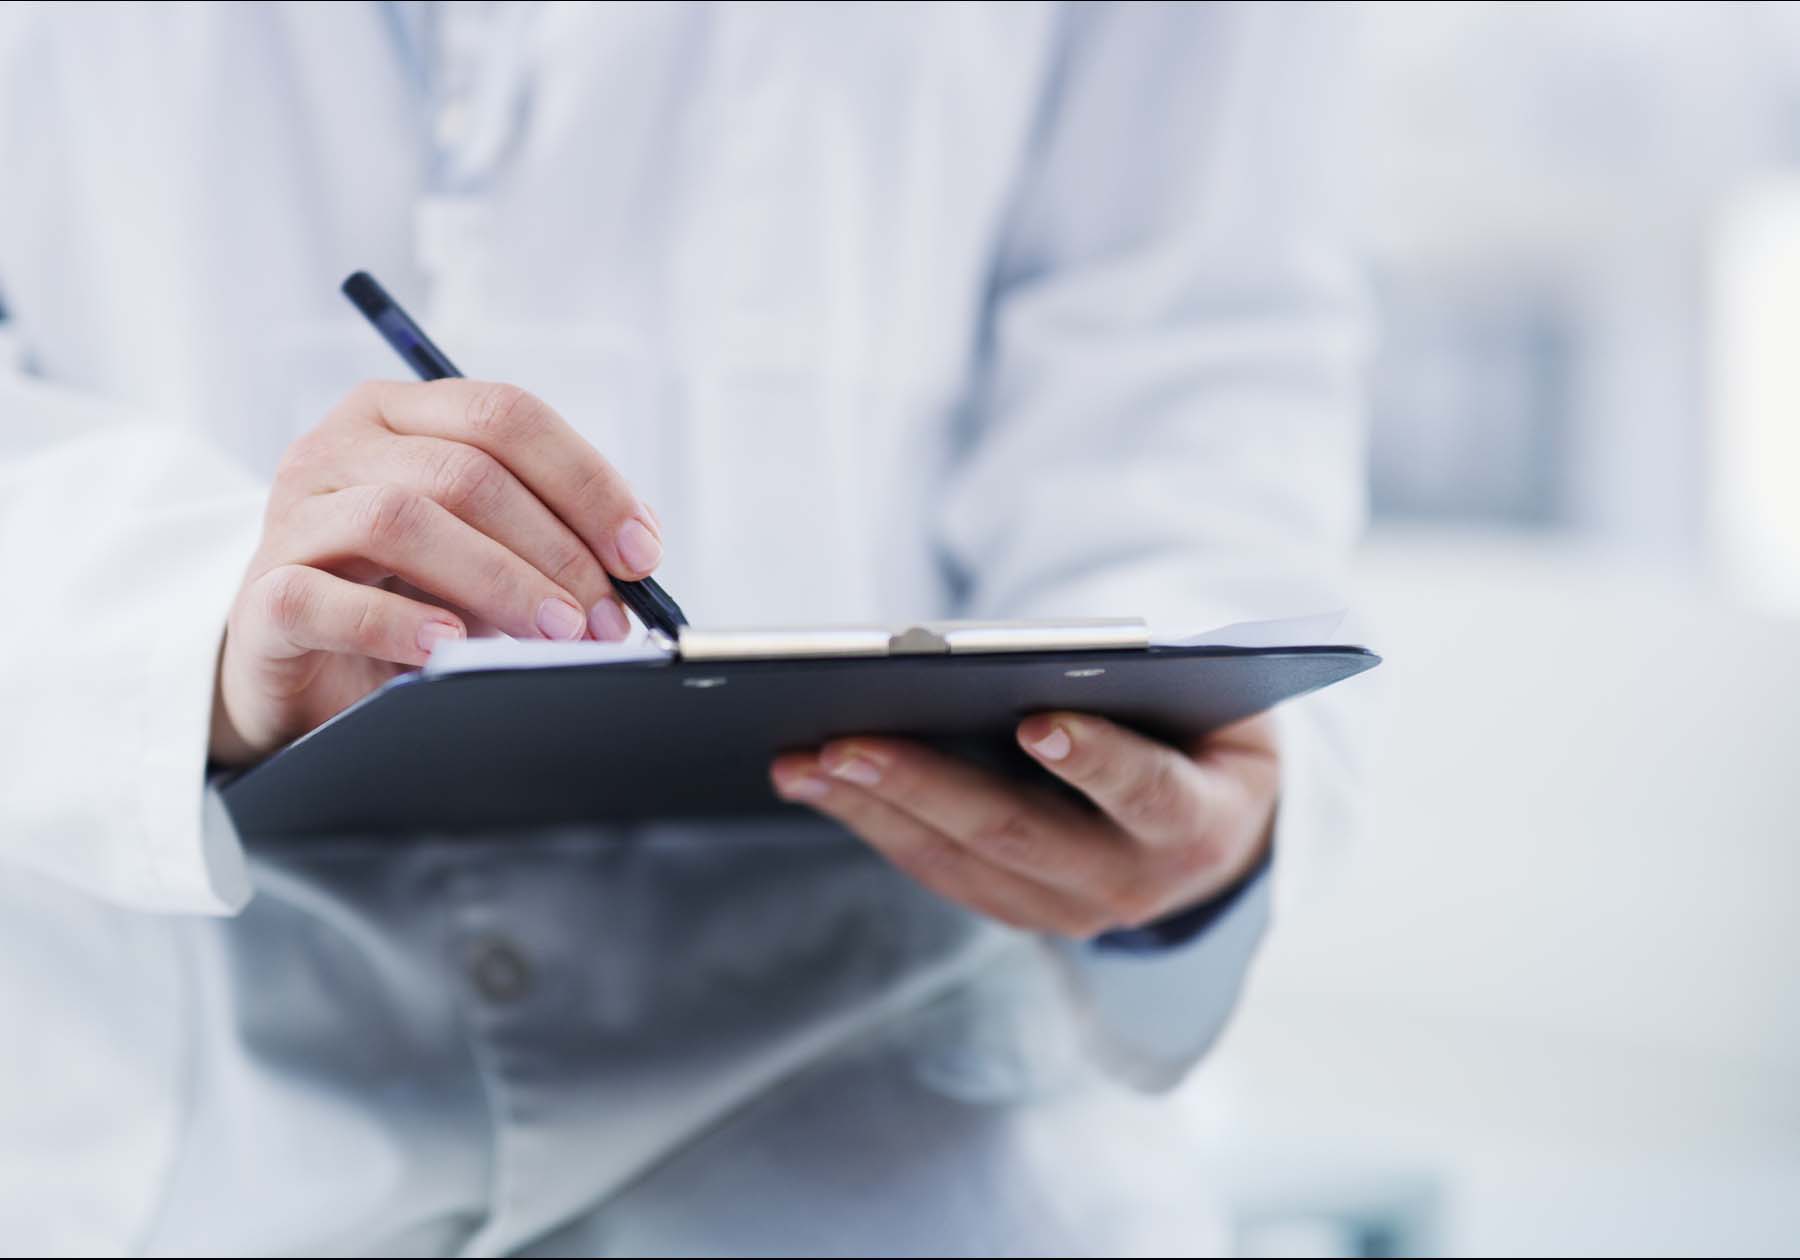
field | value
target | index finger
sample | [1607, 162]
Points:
[1009, 824]
[556, 463]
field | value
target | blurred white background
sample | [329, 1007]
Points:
[1553, 1005]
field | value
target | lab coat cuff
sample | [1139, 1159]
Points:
[192, 859]
[1149, 1017]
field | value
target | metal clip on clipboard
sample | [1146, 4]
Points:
[931, 638]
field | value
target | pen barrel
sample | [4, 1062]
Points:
[397, 328]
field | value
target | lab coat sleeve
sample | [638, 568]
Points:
[123, 537]
[1168, 421]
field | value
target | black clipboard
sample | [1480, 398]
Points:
[646, 740]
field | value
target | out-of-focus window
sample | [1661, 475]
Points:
[1539, 192]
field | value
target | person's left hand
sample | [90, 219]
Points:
[1174, 826]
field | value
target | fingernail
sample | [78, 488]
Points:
[806, 787]
[859, 770]
[638, 547]
[433, 633]
[608, 622]
[559, 619]
[1054, 746]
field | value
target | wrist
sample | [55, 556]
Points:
[1182, 926]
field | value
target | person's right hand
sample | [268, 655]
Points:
[414, 512]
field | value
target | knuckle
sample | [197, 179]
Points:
[468, 481]
[1158, 798]
[497, 576]
[1011, 837]
[504, 414]
[930, 859]
[604, 489]
[288, 595]
[304, 454]
[574, 568]
[388, 514]
[365, 625]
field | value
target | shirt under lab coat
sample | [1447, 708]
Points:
[889, 312]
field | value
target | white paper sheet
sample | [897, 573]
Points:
[460, 656]
[1315, 628]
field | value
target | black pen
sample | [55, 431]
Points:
[648, 600]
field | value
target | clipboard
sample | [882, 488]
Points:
[688, 731]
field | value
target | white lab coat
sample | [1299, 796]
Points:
[888, 311]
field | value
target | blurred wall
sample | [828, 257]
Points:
[1538, 188]
[1552, 1005]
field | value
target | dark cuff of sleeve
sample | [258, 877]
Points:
[1184, 926]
